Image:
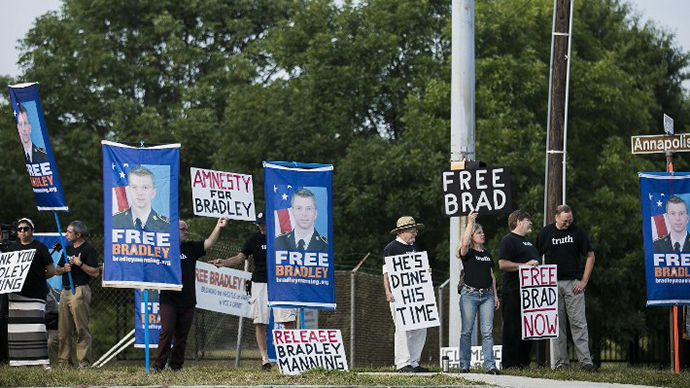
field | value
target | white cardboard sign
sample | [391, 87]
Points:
[539, 302]
[14, 266]
[223, 290]
[301, 350]
[223, 194]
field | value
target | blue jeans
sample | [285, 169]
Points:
[470, 302]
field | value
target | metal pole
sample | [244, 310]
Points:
[461, 133]
[146, 330]
[240, 330]
[353, 327]
[440, 313]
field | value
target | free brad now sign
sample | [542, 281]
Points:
[539, 302]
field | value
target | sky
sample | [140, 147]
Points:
[671, 14]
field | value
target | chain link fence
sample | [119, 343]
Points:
[362, 315]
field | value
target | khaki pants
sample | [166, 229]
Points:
[572, 306]
[74, 314]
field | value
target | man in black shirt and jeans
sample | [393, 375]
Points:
[256, 246]
[562, 243]
[74, 309]
[513, 252]
[177, 307]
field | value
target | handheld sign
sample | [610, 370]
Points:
[484, 190]
[412, 288]
[301, 350]
[222, 290]
[223, 194]
[539, 296]
[14, 266]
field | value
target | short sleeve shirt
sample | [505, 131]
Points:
[564, 248]
[256, 246]
[477, 266]
[190, 252]
[88, 256]
[517, 249]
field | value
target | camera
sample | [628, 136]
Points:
[8, 235]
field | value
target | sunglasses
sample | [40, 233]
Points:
[23, 229]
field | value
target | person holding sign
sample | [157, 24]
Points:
[177, 307]
[27, 337]
[562, 243]
[515, 251]
[408, 344]
[74, 309]
[256, 246]
[478, 294]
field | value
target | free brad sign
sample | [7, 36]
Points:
[484, 190]
[659, 144]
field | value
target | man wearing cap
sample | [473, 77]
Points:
[256, 246]
[408, 344]
[177, 307]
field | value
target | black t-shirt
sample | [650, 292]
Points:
[88, 257]
[190, 252]
[256, 246]
[35, 285]
[395, 248]
[564, 248]
[517, 249]
[477, 266]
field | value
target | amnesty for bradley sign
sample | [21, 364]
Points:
[659, 144]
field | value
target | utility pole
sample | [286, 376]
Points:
[461, 135]
[557, 124]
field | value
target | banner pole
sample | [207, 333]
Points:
[146, 329]
[64, 249]
[301, 318]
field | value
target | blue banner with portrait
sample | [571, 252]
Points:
[299, 228]
[36, 149]
[665, 198]
[140, 199]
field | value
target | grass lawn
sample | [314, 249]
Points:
[222, 373]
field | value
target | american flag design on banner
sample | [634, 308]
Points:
[282, 197]
[660, 225]
[120, 183]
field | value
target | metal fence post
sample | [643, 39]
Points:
[440, 313]
[353, 276]
[238, 348]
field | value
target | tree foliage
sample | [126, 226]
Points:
[365, 86]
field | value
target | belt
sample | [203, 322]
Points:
[479, 290]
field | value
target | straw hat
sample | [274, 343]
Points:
[406, 222]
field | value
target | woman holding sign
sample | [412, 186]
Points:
[478, 294]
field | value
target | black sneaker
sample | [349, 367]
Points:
[589, 368]
[407, 369]
[266, 367]
[493, 371]
[464, 370]
[420, 369]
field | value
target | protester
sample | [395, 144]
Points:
[27, 338]
[75, 308]
[177, 307]
[408, 344]
[562, 243]
[515, 251]
[255, 246]
[478, 294]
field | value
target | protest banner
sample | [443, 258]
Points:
[301, 350]
[484, 190]
[477, 357]
[14, 266]
[38, 154]
[139, 319]
[298, 234]
[539, 297]
[222, 290]
[223, 194]
[413, 290]
[665, 198]
[142, 240]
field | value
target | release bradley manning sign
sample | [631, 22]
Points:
[485, 190]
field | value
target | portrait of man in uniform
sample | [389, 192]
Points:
[304, 236]
[32, 152]
[678, 239]
[140, 192]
